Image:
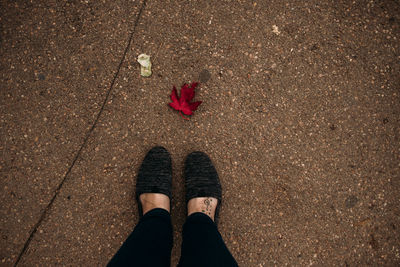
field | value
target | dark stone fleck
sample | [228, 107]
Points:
[69, 197]
[41, 76]
[314, 47]
[385, 120]
[391, 19]
[204, 76]
[372, 242]
[332, 127]
[351, 201]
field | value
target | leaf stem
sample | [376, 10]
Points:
[180, 112]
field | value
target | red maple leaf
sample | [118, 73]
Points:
[182, 104]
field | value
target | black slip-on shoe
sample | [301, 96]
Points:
[155, 175]
[201, 179]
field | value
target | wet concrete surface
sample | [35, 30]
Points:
[300, 115]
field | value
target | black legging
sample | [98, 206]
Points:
[150, 243]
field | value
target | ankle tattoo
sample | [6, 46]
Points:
[207, 206]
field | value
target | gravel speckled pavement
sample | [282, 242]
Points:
[300, 114]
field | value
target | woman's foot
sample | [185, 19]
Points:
[206, 205]
[203, 189]
[154, 200]
[153, 184]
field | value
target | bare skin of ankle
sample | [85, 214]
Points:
[206, 205]
[154, 200]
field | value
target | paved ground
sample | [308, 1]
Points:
[300, 113]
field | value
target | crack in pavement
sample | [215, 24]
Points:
[57, 191]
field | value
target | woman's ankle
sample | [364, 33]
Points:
[152, 201]
[206, 205]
